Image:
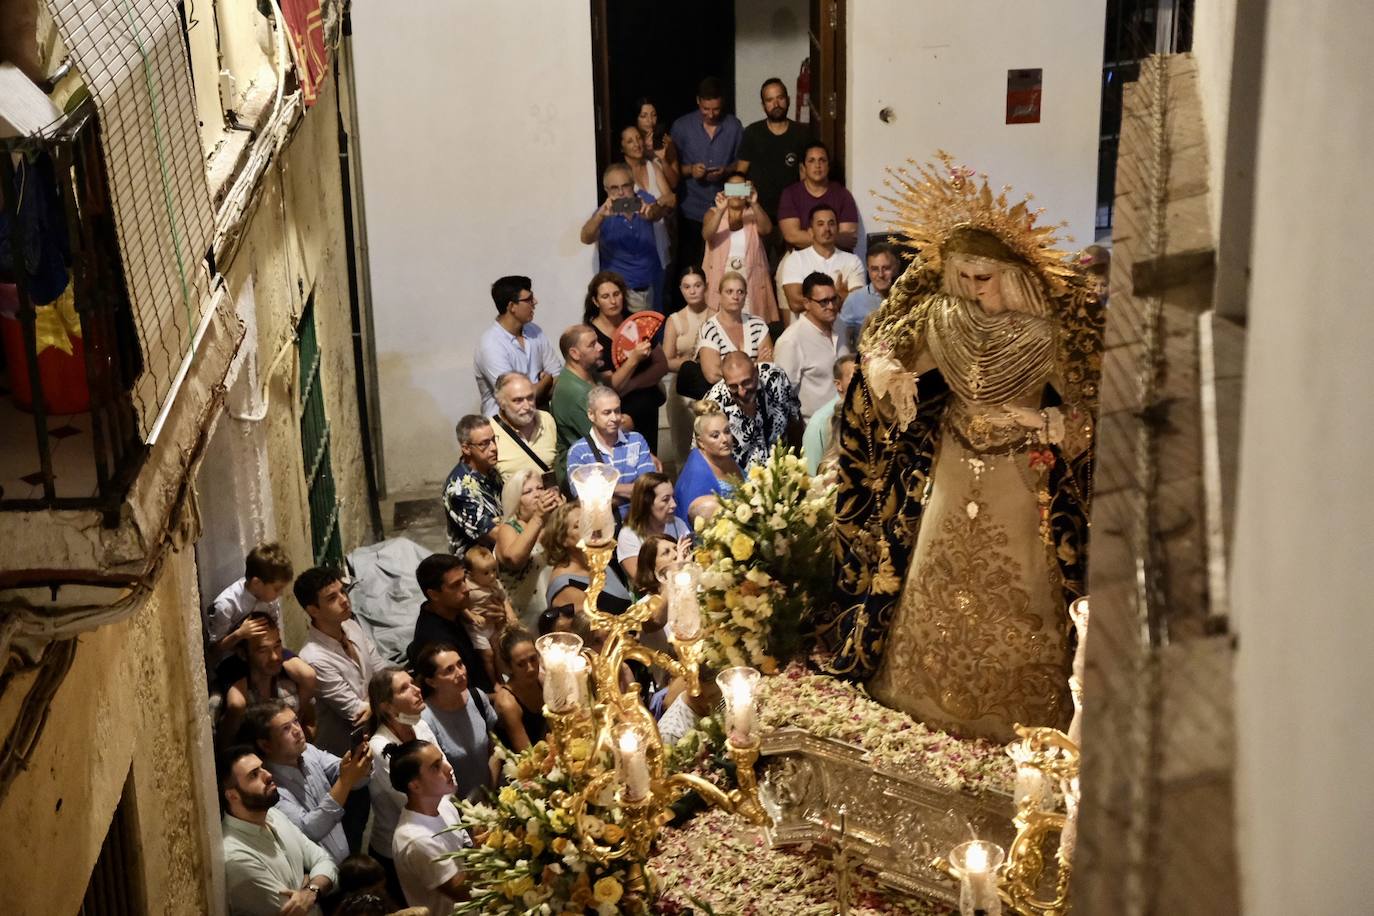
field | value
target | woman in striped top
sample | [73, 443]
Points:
[732, 328]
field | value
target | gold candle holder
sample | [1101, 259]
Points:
[609, 745]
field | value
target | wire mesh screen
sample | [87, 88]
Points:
[133, 58]
[1157, 824]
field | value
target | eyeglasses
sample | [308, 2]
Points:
[829, 300]
[523, 301]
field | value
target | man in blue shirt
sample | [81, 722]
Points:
[514, 343]
[625, 240]
[314, 785]
[859, 304]
[707, 143]
[607, 443]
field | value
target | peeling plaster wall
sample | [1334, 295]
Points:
[135, 697]
[295, 244]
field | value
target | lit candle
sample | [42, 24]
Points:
[684, 611]
[565, 671]
[634, 766]
[737, 687]
[976, 863]
[595, 488]
[1030, 781]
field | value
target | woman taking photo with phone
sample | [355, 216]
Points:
[734, 230]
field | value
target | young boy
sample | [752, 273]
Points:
[267, 573]
[489, 609]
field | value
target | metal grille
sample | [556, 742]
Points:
[133, 58]
[113, 888]
[325, 540]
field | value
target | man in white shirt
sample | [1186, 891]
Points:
[343, 657]
[822, 257]
[270, 867]
[514, 343]
[806, 351]
[423, 835]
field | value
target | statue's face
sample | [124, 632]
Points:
[985, 285]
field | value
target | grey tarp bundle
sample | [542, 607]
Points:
[386, 598]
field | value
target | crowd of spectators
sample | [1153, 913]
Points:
[338, 768]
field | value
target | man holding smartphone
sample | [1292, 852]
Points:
[622, 228]
[707, 143]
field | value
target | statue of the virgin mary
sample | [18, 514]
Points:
[964, 463]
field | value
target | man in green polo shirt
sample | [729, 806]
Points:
[581, 352]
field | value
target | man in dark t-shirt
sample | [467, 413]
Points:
[771, 149]
[443, 581]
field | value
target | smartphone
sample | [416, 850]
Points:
[358, 736]
[738, 189]
[549, 480]
[625, 205]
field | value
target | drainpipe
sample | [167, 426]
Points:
[360, 314]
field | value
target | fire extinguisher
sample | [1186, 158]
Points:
[804, 92]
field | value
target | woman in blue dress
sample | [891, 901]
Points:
[710, 467]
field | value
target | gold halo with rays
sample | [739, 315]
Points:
[927, 207]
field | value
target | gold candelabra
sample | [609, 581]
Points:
[593, 720]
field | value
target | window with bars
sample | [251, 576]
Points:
[325, 541]
[115, 888]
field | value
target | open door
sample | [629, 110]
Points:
[827, 79]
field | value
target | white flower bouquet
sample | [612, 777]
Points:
[765, 556]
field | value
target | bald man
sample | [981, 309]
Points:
[760, 405]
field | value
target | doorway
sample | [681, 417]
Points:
[659, 51]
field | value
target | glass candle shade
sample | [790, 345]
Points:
[632, 763]
[565, 671]
[737, 690]
[976, 863]
[680, 584]
[594, 485]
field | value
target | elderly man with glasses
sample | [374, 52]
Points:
[472, 493]
[622, 229]
[807, 350]
[761, 406]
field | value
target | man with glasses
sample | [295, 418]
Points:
[472, 493]
[822, 256]
[514, 343]
[760, 405]
[623, 232]
[807, 350]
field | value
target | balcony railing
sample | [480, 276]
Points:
[68, 434]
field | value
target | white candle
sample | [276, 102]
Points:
[565, 671]
[684, 611]
[1068, 838]
[1030, 783]
[975, 862]
[737, 687]
[595, 487]
[634, 766]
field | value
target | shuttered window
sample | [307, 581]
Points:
[319, 472]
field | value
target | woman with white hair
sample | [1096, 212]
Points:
[526, 503]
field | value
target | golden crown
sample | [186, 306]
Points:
[942, 208]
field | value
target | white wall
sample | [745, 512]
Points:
[942, 68]
[770, 40]
[1305, 522]
[478, 161]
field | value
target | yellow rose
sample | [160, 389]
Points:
[496, 839]
[508, 796]
[612, 833]
[741, 547]
[536, 846]
[607, 890]
[514, 889]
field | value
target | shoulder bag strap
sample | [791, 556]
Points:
[521, 442]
